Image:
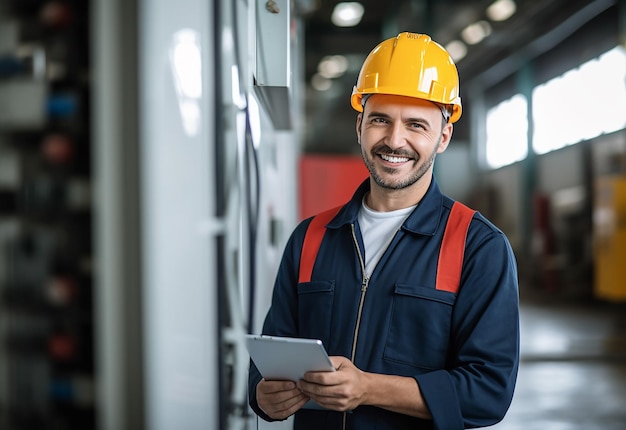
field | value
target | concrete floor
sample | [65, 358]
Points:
[573, 368]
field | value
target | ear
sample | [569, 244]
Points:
[446, 136]
[359, 121]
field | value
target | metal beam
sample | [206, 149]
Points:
[541, 45]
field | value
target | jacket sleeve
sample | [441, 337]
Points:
[477, 387]
[281, 319]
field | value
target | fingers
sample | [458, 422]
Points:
[344, 372]
[339, 361]
[338, 391]
[341, 390]
[280, 399]
[275, 387]
[329, 396]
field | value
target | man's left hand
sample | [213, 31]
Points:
[342, 390]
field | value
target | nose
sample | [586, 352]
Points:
[396, 138]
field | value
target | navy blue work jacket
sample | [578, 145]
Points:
[462, 349]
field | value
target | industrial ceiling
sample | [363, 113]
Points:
[535, 27]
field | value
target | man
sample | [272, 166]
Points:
[408, 354]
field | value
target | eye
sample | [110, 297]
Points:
[417, 125]
[379, 120]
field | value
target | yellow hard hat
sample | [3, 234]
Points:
[410, 65]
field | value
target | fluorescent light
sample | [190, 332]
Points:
[332, 66]
[476, 32]
[457, 50]
[320, 83]
[347, 14]
[501, 10]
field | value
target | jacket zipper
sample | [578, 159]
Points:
[364, 285]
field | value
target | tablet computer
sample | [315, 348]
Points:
[287, 358]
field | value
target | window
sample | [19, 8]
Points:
[581, 104]
[507, 132]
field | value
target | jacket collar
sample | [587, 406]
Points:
[423, 220]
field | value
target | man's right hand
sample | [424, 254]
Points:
[279, 399]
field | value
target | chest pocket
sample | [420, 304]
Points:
[419, 330]
[315, 304]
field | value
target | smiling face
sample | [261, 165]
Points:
[399, 138]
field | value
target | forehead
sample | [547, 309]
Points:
[387, 103]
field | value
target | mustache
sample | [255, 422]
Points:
[386, 150]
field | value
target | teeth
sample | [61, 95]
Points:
[394, 159]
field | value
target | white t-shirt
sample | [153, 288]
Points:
[378, 229]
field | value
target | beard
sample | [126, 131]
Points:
[382, 177]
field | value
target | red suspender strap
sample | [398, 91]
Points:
[450, 255]
[452, 248]
[312, 241]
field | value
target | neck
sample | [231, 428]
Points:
[386, 200]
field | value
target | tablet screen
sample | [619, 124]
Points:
[287, 358]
